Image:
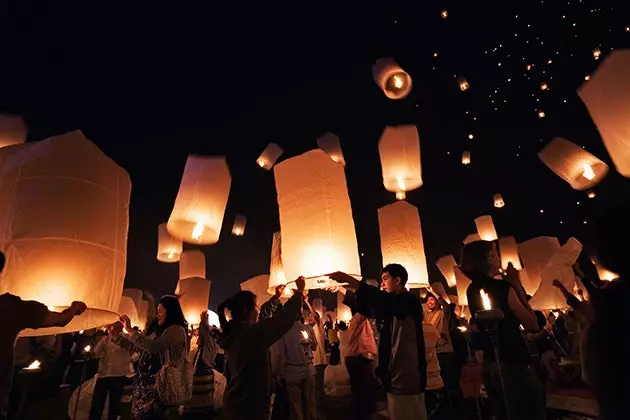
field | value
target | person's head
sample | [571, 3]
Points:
[432, 302]
[394, 278]
[242, 307]
[480, 259]
[2, 261]
[169, 312]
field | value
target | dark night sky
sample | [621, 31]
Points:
[150, 85]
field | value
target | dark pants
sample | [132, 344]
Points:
[114, 386]
[362, 382]
[280, 409]
[319, 390]
[525, 392]
[450, 377]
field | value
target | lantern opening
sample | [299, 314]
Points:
[397, 83]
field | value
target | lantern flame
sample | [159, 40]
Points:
[588, 172]
[51, 308]
[170, 255]
[261, 163]
[591, 194]
[462, 328]
[401, 195]
[33, 366]
[197, 232]
[401, 183]
[398, 81]
[485, 300]
[305, 335]
[87, 348]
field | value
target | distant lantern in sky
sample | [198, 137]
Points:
[462, 285]
[591, 194]
[485, 228]
[192, 264]
[446, 265]
[12, 130]
[544, 86]
[607, 97]
[471, 136]
[391, 78]
[508, 249]
[401, 241]
[597, 53]
[65, 228]
[169, 247]
[329, 143]
[444, 13]
[466, 157]
[535, 254]
[269, 156]
[399, 149]
[258, 286]
[276, 269]
[318, 234]
[541, 113]
[498, 201]
[238, 229]
[194, 296]
[463, 84]
[572, 163]
[199, 208]
[473, 237]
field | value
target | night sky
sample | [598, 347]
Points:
[149, 85]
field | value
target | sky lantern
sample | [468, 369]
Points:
[194, 296]
[541, 114]
[318, 234]
[277, 276]
[446, 265]
[498, 201]
[485, 228]
[508, 249]
[128, 307]
[169, 247]
[197, 215]
[142, 306]
[535, 253]
[64, 228]
[473, 237]
[603, 273]
[591, 194]
[344, 313]
[399, 149]
[544, 86]
[466, 157]
[12, 130]
[444, 13]
[401, 241]
[238, 229]
[462, 285]
[269, 156]
[463, 84]
[607, 97]
[329, 143]
[192, 264]
[391, 78]
[597, 53]
[575, 165]
[258, 286]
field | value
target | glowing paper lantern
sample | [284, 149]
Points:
[329, 143]
[269, 156]
[473, 237]
[444, 13]
[258, 286]
[393, 80]
[194, 295]
[343, 311]
[607, 98]
[197, 215]
[399, 149]
[169, 247]
[462, 285]
[446, 265]
[498, 201]
[12, 130]
[544, 86]
[508, 249]
[276, 269]
[135, 294]
[485, 228]
[66, 212]
[597, 53]
[238, 229]
[192, 264]
[466, 158]
[463, 84]
[401, 241]
[575, 165]
[318, 235]
[128, 307]
[541, 114]
[535, 254]
[143, 313]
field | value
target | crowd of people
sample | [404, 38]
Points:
[405, 356]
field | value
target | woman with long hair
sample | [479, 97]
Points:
[165, 339]
[515, 380]
[246, 344]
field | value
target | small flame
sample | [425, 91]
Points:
[588, 172]
[485, 299]
[261, 163]
[401, 183]
[34, 366]
[51, 308]
[197, 232]
[81, 332]
[171, 255]
[87, 348]
[305, 335]
[462, 328]
[125, 330]
[398, 81]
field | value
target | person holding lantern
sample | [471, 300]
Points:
[17, 315]
[513, 386]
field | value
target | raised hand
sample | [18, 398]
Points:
[78, 307]
[280, 290]
[300, 283]
[124, 319]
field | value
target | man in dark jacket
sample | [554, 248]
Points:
[402, 364]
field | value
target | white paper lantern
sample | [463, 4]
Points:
[605, 274]
[607, 97]
[508, 249]
[463, 84]
[391, 78]
[575, 165]
[446, 265]
[485, 228]
[343, 311]
[12, 130]
[238, 229]
[498, 201]
[169, 247]
[473, 237]
[329, 143]
[199, 208]
[141, 306]
[269, 156]
[135, 294]
[194, 296]
[401, 241]
[318, 235]
[462, 285]
[466, 158]
[128, 307]
[277, 276]
[535, 254]
[65, 216]
[258, 286]
[192, 264]
[399, 149]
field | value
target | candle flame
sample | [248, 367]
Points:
[261, 163]
[197, 232]
[588, 172]
[51, 308]
[34, 366]
[87, 348]
[485, 299]
[398, 81]
[305, 335]
[401, 195]
[462, 328]
[170, 255]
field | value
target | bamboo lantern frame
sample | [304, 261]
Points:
[269, 156]
[169, 248]
[391, 78]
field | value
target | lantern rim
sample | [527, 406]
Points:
[182, 230]
[163, 257]
[90, 319]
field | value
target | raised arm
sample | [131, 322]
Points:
[270, 330]
[174, 338]
[40, 317]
